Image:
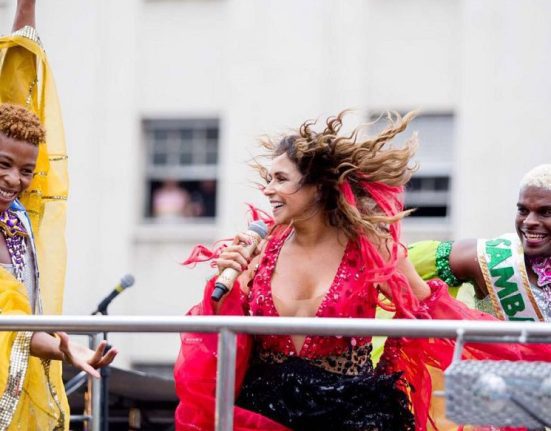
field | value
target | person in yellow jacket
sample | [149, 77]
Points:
[33, 190]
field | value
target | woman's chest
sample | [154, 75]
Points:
[340, 294]
[300, 284]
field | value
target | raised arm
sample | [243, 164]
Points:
[24, 14]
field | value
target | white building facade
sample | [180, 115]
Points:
[179, 91]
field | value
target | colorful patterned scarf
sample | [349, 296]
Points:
[15, 235]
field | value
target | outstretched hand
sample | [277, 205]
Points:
[83, 358]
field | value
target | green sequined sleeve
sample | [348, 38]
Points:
[443, 264]
[431, 260]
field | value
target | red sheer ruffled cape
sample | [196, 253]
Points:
[195, 372]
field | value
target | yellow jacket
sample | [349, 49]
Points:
[32, 397]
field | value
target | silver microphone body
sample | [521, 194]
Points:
[225, 281]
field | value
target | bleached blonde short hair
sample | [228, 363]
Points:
[540, 176]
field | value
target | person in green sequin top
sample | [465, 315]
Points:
[461, 261]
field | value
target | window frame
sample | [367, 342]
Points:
[182, 173]
[428, 168]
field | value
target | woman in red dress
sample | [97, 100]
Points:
[334, 250]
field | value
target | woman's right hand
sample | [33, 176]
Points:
[237, 255]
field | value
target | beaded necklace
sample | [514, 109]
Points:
[15, 234]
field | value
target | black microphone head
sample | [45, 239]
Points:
[219, 291]
[127, 280]
[259, 227]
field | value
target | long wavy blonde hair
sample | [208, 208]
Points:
[343, 167]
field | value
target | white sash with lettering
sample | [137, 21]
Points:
[502, 263]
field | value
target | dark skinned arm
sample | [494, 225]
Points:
[24, 14]
[464, 265]
[45, 346]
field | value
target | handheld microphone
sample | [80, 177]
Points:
[256, 232]
[126, 281]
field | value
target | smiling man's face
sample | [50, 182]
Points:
[533, 220]
[17, 164]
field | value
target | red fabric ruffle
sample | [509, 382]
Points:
[195, 371]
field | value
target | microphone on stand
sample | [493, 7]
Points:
[256, 232]
[126, 281]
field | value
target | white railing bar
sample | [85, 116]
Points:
[277, 325]
[228, 326]
[225, 380]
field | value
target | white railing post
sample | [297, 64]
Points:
[459, 343]
[96, 390]
[225, 380]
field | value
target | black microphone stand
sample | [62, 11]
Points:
[105, 372]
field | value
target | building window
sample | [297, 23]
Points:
[429, 189]
[429, 195]
[181, 169]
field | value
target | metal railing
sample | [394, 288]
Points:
[229, 326]
[92, 397]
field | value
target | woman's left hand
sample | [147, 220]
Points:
[83, 358]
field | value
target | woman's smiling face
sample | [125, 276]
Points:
[289, 198]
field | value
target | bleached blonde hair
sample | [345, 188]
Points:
[540, 176]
